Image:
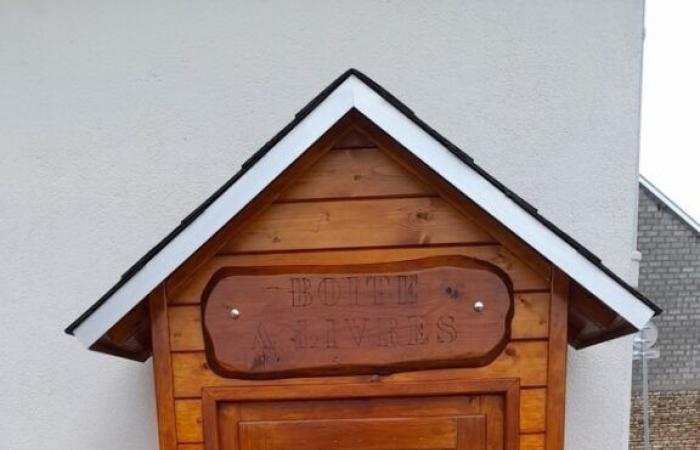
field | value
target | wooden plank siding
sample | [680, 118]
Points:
[353, 173]
[386, 222]
[524, 359]
[524, 278]
[359, 204]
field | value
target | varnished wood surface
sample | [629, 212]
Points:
[162, 369]
[340, 131]
[405, 213]
[455, 198]
[366, 433]
[355, 224]
[188, 414]
[532, 412]
[285, 409]
[556, 369]
[352, 173]
[530, 321]
[353, 319]
[189, 290]
[532, 442]
[198, 446]
[525, 359]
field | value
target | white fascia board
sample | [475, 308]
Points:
[354, 93]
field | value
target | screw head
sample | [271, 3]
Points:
[234, 313]
[478, 306]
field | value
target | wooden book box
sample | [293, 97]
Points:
[362, 284]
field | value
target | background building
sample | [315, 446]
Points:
[669, 272]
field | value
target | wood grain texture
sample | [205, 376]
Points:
[533, 410]
[190, 447]
[523, 278]
[162, 368]
[371, 407]
[383, 207]
[530, 321]
[531, 315]
[298, 409]
[360, 172]
[556, 369]
[356, 224]
[324, 144]
[359, 125]
[524, 359]
[363, 433]
[495, 409]
[532, 442]
[188, 417]
[454, 197]
[185, 328]
[355, 319]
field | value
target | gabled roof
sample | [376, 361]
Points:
[670, 204]
[355, 91]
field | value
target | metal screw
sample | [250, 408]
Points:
[234, 313]
[478, 306]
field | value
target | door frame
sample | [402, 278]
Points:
[508, 387]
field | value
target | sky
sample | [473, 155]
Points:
[670, 136]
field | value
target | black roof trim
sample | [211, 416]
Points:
[298, 118]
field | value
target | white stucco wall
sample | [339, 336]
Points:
[118, 118]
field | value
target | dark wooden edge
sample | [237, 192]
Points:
[162, 369]
[592, 321]
[556, 365]
[620, 328]
[460, 261]
[508, 387]
[129, 338]
[106, 346]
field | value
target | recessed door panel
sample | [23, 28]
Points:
[460, 422]
[452, 415]
[430, 433]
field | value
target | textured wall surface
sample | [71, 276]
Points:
[117, 119]
[669, 272]
[675, 421]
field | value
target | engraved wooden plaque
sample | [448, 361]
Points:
[355, 319]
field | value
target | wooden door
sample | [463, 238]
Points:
[439, 416]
